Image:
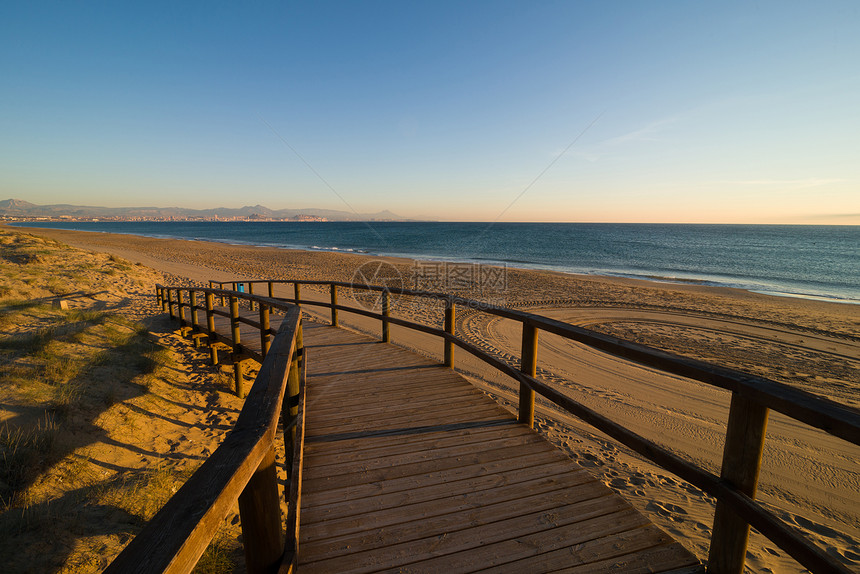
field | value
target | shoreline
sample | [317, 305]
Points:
[705, 281]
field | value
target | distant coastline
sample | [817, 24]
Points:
[812, 262]
[18, 210]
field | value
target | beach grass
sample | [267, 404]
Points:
[57, 362]
[64, 369]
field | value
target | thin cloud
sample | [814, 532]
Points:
[651, 132]
[648, 133]
[792, 183]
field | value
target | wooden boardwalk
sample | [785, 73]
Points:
[409, 468]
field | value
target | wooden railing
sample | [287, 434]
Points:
[242, 468]
[752, 398]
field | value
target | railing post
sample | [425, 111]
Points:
[298, 289]
[181, 305]
[192, 309]
[449, 328]
[260, 514]
[170, 303]
[386, 312]
[210, 327]
[265, 337]
[290, 408]
[528, 365]
[251, 292]
[193, 297]
[300, 344]
[159, 297]
[333, 305]
[210, 313]
[292, 490]
[271, 290]
[745, 435]
[238, 367]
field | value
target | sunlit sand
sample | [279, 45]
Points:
[809, 478]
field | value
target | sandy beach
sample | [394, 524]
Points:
[808, 478]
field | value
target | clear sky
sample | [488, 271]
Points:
[653, 111]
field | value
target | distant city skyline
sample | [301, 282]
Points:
[668, 112]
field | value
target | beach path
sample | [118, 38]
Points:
[409, 468]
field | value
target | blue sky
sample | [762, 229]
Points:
[519, 111]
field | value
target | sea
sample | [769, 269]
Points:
[809, 261]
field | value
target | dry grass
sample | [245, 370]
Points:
[22, 451]
[60, 371]
[141, 493]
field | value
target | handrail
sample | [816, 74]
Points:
[751, 399]
[816, 411]
[242, 468]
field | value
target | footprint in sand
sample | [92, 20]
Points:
[692, 489]
[620, 484]
[817, 528]
[638, 480]
[665, 509]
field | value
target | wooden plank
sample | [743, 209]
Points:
[577, 522]
[429, 383]
[551, 472]
[416, 469]
[364, 405]
[404, 426]
[367, 489]
[426, 537]
[415, 377]
[351, 409]
[394, 385]
[492, 503]
[436, 415]
[384, 415]
[607, 548]
[667, 559]
[364, 448]
[369, 411]
[322, 464]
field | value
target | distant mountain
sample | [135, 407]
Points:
[16, 205]
[21, 208]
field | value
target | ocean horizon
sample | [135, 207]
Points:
[807, 261]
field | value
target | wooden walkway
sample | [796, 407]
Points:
[409, 468]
